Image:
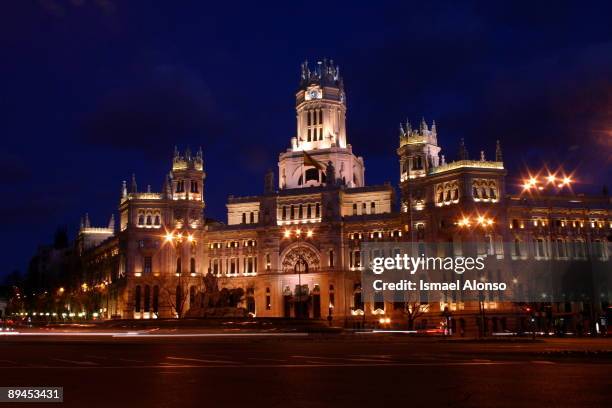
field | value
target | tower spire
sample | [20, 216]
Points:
[498, 152]
[463, 153]
[133, 187]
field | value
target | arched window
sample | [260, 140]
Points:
[157, 220]
[244, 218]
[178, 266]
[192, 265]
[155, 299]
[137, 299]
[147, 298]
[312, 174]
[141, 219]
[492, 193]
[475, 192]
[149, 220]
[373, 208]
[456, 194]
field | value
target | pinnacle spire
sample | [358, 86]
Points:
[133, 187]
[423, 126]
[463, 153]
[498, 152]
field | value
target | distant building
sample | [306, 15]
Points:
[295, 249]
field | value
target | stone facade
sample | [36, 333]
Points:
[295, 249]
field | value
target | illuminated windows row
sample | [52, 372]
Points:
[301, 211]
[233, 244]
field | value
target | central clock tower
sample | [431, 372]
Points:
[321, 133]
[321, 108]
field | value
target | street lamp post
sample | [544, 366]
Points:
[466, 222]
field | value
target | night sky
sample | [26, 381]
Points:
[95, 90]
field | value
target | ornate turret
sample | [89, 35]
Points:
[321, 132]
[187, 161]
[325, 73]
[423, 134]
[418, 149]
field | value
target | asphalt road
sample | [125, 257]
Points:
[370, 370]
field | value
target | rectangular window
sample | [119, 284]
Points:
[373, 208]
[292, 212]
[331, 258]
[318, 210]
[560, 248]
[147, 265]
[540, 248]
[517, 247]
[268, 262]
[355, 209]
[284, 212]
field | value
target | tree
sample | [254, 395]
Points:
[414, 309]
[175, 293]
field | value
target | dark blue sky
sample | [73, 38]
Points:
[95, 90]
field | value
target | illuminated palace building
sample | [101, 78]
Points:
[295, 249]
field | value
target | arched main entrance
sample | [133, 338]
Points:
[300, 258]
